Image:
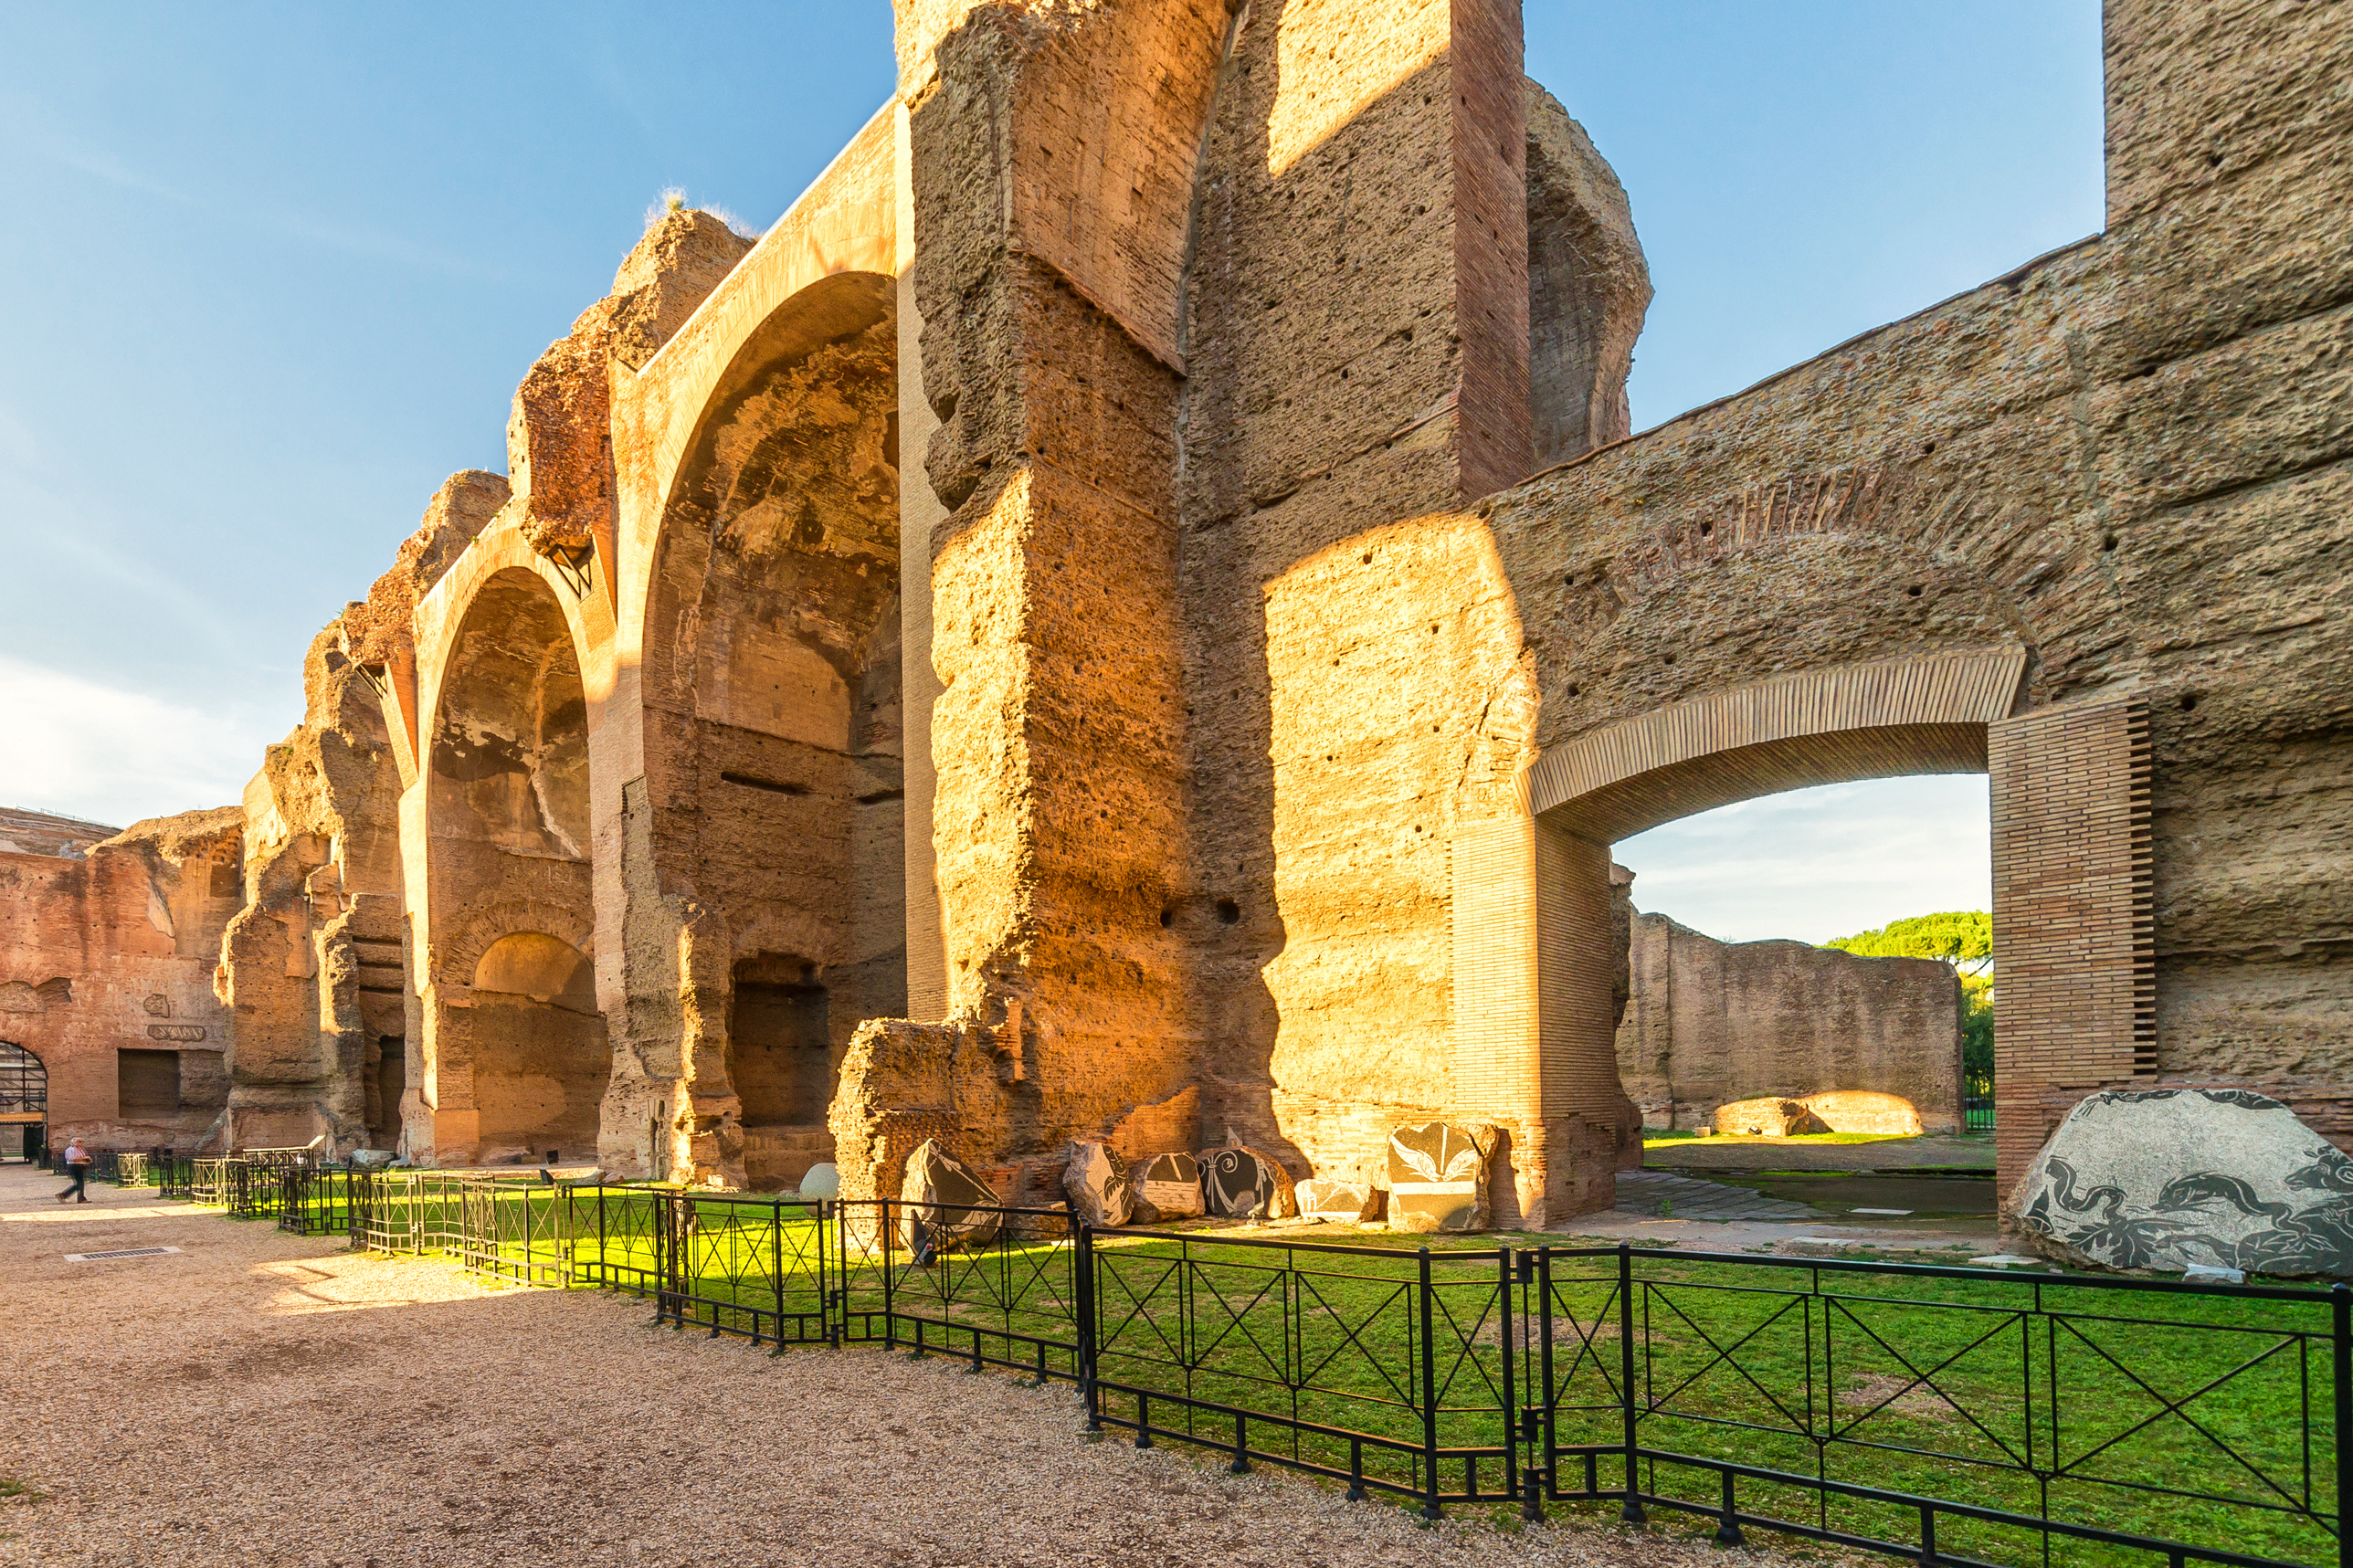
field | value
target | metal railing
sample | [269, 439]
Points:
[1942, 1414]
[1977, 1113]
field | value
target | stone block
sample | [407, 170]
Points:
[1238, 1182]
[2171, 1179]
[1437, 1178]
[948, 1205]
[1768, 1118]
[1164, 1187]
[1340, 1202]
[1865, 1111]
[1096, 1181]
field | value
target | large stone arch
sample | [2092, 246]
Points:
[1532, 968]
[504, 807]
[769, 699]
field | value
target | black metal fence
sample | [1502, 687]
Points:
[1977, 1113]
[1942, 1414]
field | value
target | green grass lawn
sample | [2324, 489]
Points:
[1808, 1369]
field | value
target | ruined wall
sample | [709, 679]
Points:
[1051, 156]
[1713, 1022]
[1216, 336]
[1375, 196]
[773, 704]
[1588, 287]
[106, 965]
[2093, 459]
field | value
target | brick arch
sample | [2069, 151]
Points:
[1924, 715]
[1534, 1026]
[790, 930]
[454, 960]
[823, 311]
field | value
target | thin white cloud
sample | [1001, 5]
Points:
[35, 129]
[1820, 863]
[98, 751]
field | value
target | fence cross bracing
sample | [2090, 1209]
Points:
[1942, 1414]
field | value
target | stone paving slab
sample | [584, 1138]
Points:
[1939, 1151]
[1644, 1192]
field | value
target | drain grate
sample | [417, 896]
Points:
[124, 1252]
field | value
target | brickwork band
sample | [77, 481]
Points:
[2076, 967]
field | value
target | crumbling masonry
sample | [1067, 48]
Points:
[1132, 610]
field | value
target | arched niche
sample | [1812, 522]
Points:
[510, 749]
[516, 1052]
[772, 674]
[542, 968]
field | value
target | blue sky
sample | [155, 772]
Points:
[275, 270]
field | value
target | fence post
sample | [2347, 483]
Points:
[1086, 1295]
[776, 1258]
[1546, 1403]
[889, 1322]
[1632, 1512]
[1515, 1421]
[2340, 1314]
[1430, 1508]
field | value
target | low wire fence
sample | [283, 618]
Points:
[1941, 1415]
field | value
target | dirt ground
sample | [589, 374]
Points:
[260, 1398]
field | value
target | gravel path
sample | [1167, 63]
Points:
[259, 1398]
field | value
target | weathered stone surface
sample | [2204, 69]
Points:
[2172, 1179]
[1862, 1111]
[1437, 1178]
[108, 940]
[1229, 741]
[947, 1202]
[1715, 1022]
[1589, 288]
[1097, 1181]
[821, 1180]
[1243, 1184]
[1770, 1117]
[1341, 1202]
[1164, 1187]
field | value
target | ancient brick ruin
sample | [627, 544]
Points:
[1712, 1023]
[1132, 610]
[109, 942]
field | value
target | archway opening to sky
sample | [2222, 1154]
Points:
[1722, 895]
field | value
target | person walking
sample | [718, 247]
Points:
[78, 1167]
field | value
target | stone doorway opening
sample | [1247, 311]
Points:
[1537, 969]
[782, 1060]
[24, 1103]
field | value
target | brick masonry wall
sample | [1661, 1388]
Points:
[2074, 928]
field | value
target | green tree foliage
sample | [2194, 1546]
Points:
[1964, 939]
